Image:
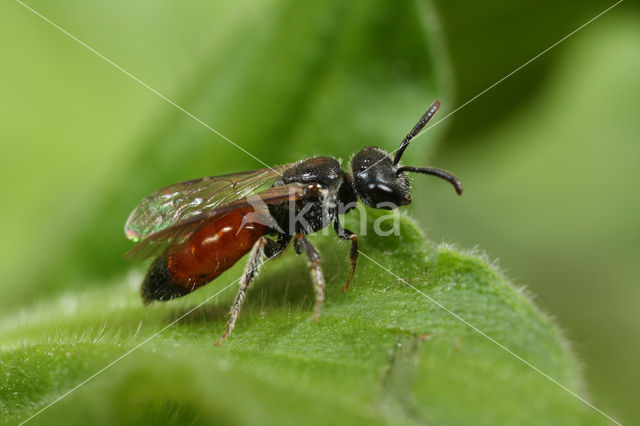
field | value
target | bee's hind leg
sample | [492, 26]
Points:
[262, 247]
[250, 272]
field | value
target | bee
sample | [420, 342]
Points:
[198, 229]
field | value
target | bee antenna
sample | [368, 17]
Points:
[414, 132]
[442, 174]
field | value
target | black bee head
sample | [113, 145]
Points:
[376, 180]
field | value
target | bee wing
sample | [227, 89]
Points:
[155, 243]
[182, 201]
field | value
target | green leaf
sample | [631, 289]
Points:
[380, 353]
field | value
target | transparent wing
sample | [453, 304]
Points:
[182, 201]
[155, 243]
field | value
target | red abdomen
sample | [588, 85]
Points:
[212, 249]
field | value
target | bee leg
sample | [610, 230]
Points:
[316, 271]
[345, 234]
[250, 272]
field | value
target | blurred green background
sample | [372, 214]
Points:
[549, 157]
